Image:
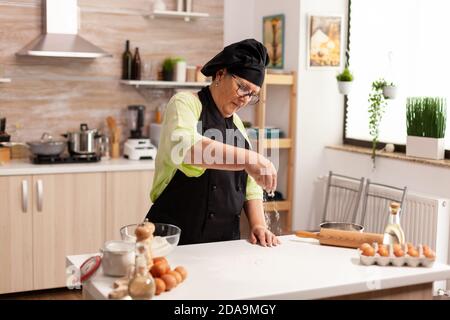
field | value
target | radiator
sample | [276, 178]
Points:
[425, 220]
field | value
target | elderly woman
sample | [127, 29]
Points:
[206, 172]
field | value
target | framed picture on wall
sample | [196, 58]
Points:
[273, 39]
[324, 41]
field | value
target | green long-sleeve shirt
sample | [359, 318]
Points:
[180, 120]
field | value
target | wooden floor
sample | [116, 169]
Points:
[52, 294]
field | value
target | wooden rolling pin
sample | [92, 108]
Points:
[341, 238]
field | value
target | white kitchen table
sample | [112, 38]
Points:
[296, 269]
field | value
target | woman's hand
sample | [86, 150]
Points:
[262, 170]
[260, 234]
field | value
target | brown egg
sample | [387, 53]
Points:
[159, 269]
[160, 286]
[176, 275]
[181, 270]
[370, 252]
[383, 251]
[429, 254]
[413, 252]
[398, 251]
[365, 246]
[409, 245]
[170, 281]
[159, 259]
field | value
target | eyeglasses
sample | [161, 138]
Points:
[243, 91]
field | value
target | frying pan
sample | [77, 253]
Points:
[347, 226]
[47, 146]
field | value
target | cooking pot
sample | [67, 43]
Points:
[84, 141]
[47, 146]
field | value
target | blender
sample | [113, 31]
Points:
[138, 146]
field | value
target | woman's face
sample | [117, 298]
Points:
[234, 93]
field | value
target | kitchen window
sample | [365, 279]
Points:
[403, 41]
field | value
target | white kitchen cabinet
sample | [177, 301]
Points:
[16, 265]
[128, 199]
[68, 217]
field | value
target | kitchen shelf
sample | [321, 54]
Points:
[284, 143]
[279, 79]
[288, 80]
[272, 206]
[187, 16]
[164, 84]
[5, 80]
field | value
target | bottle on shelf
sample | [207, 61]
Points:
[393, 233]
[127, 62]
[158, 115]
[180, 71]
[137, 64]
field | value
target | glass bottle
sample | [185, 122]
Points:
[158, 115]
[127, 62]
[136, 74]
[142, 285]
[393, 233]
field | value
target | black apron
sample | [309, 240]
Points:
[206, 208]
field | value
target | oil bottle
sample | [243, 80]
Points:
[393, 233]
[142, 285]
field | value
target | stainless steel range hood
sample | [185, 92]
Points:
[60, 38]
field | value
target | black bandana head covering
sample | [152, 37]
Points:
[247, 59]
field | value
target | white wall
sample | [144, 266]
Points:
[320, 117]
[238, 20]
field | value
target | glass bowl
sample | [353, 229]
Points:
[165, 237]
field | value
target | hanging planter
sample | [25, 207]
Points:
[390, 91]
[344, 87]
[376, 110]
[345, 81]
[426, 122]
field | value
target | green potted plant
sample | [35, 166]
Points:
[168, 68]
[426, 122]
[376, 110]
[345, 81]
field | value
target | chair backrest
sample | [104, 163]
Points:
[375, 205]
[342, 198]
